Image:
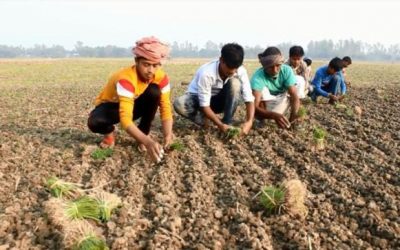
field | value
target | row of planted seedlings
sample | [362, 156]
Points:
[77, 213]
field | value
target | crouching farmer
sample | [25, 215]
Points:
[136, 92]
[329, 82]
[217, 88]
[274, 89]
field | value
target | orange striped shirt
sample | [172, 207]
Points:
[124, 86]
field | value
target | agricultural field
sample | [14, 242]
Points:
[206, 193]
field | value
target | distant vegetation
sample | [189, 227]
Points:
[323, 49]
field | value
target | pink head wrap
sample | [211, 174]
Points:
[151, 48]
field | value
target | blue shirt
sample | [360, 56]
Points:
[322, 79]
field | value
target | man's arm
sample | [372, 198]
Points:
[167, 132]
[246, 126]
[317, 82]
[264, 113]
[152, 147]
[294, 103]
[209, 113]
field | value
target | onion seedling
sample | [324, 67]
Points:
[102, 153]
[84, 207]
[232, 132]
[107, 202]
[59, 188]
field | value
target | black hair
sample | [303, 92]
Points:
[347, 59]
[232, 54]
[336, 64]
[270, 51]
[307, 60]
[296, 51]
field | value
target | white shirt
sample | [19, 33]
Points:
[207, 83]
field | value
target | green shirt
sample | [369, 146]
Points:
[276, 85]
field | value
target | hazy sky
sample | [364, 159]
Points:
[248, 22]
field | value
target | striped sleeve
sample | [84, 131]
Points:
[165, 86]
[165, 102]
[125, 89]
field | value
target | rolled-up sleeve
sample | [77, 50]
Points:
[246, 87]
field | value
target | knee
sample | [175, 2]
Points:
[179, 105]
[92, 124]
[154, 91]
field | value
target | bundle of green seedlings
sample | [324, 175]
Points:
[80, 235]
[177, 145]
[319, 135]
[60, 188]
[349, 112]
[289, 198]
[107, 203]
[233, 132]
[102, 153]
[340, 106]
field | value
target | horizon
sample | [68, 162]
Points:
[102, 23]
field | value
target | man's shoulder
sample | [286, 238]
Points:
[208, 68]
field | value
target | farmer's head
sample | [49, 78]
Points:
[271, 60]
[296, 54]
[149, 53]
[346, 61]
[335, 65]
[308, 61]
[231, 59]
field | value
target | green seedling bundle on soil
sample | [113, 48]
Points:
[349, 112]
[233, 132]
[340, 106]
[90, 242]
[102, 153]
[80, 235]
[289, 198]
[319, 133]
[177, 145]
[84, 207]
[107, 203]
[302, 112]
[272, 198]
[60, 188]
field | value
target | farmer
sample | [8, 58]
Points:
[328, 82]
[274, 89]
[299, 67]
[308, 62]
[216, 88]
[136, 92]
[346, 63]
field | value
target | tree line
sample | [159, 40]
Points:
[323, 49]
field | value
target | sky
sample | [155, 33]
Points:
[247, 22]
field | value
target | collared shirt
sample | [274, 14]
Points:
[207, 83]
[301, 70]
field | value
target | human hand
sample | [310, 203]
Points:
[281, 121]
[246, 126]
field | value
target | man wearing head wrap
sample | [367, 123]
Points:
[136, 92]
[272, 84]
[217, 88]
